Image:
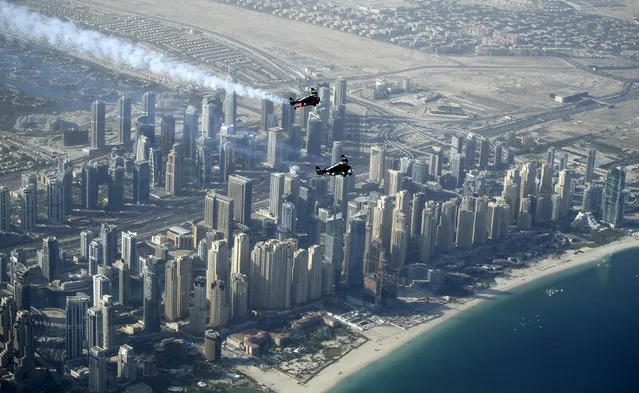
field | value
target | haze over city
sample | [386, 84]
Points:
[275, 196]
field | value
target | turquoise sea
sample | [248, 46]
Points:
[582, 339]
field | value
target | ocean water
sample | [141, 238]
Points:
[584, 339]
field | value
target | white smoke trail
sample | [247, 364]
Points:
[66, 36]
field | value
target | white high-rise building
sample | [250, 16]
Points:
[129, 250]
[376, 166]
[270, 275]
[241, 254]
[218, 267]
[275, 152]
[101, 287]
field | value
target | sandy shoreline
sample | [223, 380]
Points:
[374, 350]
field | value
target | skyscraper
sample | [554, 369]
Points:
[203, 164]
[226, 161]
[428, 235]
[101, 287]
[97, 370]
[189, 133]
[394, 184]
[170, 291]
[457, 170]
[126, 363]
[315, 258]
[314, 132]
[184, 285]
[612, 202]
[334, 246]
[355, 244]
[94, 327]
[148, 99]
[230, 107]
[28, 208]
[399, 240]
[109, 235]
[151, 297]
[270, 275]
[299, 291]
[275, 194]
[470, 147]
[220, 304]
[550, 156]
[123, 282]
[218, 212]
[124, 108]
[144, 126]
[212, 345]
[116, 188]
[211, 121]
[266, 115]
[240, 189]
[383, 218]
[339, 97]
[86, 237]
[108, 323]
[142, 148]
[436, 158]
[274, 154]
[219, 265]
[498, 154]
[241, 254]
[590, 164]
[97, 133]
[156, 170]
[141, 182]
[197, 313]
[484, 152]
[593, 195]
[563, 189]
[96, 256]
[545, 182]
[129, 249]
[65, 176]
[55, 202]
[239, 295]
[287, 221]
[50, 258]
[480, 225]
[175, 170]
[167, 133]
[23, 346]
[90, 186]
[5, 201]
[76, 309]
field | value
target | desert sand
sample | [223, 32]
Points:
[374, 350]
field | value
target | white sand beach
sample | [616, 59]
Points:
[376, 349]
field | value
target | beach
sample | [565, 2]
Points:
[377, 348]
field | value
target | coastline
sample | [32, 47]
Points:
[375, 349]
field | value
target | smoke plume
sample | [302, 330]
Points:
[66, 36]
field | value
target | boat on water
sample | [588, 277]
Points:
[553, 291]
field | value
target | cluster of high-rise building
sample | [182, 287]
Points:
[318, 240]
